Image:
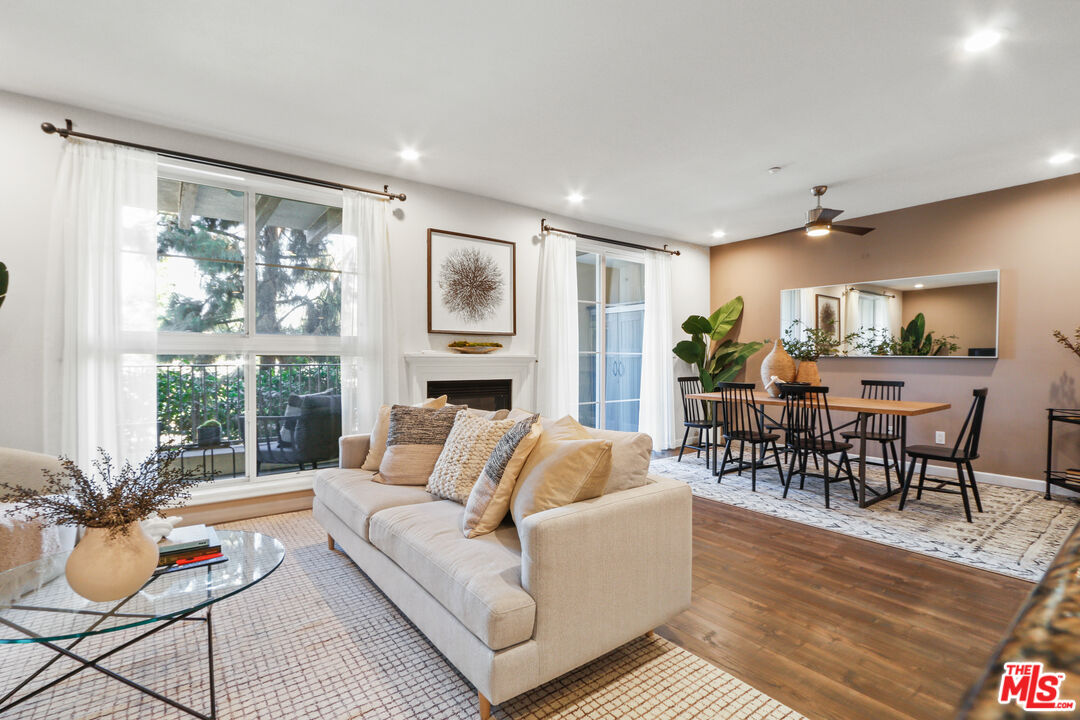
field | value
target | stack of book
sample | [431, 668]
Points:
[1073, 474]
[189, 547]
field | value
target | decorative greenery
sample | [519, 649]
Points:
[811, 343]
[913, 340]
[718, 358]
[3, 282]
[467, 343]
[210, 423]
[1073, 344]
[110, 499]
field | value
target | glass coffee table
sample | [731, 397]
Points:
[38, 606]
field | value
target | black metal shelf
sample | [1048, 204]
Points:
[1059, 478]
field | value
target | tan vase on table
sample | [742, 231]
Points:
[808, 372]
[777, 363]
[108, 566]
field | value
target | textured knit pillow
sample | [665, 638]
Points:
[382, 427]
[558, 473]
[489, 500]
[413, 443]
[467, 448]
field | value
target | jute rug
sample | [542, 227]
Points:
[1018, 533]
[316, 640]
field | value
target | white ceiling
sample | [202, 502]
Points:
[665, 115]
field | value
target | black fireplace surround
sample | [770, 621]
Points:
[479, 394]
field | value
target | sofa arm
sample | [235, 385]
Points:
[603, 571]
[352, 449]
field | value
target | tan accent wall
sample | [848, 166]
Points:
[1030, 232]
[967, 311]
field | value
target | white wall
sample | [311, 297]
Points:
[28, 163]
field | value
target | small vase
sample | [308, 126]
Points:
[777, 363]
[108, 566]
[808, 373]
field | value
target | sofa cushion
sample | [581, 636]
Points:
[382, 429]
[478, 580]
[413, 445]
[467, 449]
[631, 452]
[354, 498]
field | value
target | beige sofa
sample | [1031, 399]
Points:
[520, 606]
[21, 540]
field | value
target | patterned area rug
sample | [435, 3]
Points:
[317, 641]
[1018, 533]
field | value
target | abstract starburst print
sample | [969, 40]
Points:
[471, 283]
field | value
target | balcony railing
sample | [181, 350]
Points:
[189, 395]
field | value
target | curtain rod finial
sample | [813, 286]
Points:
[48, 128]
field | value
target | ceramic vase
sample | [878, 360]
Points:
[808, 372]
[777, 363]
[108, 566]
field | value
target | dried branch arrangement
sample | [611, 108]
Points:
[1073, 343]
[110, 498]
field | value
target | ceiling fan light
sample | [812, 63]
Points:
[817, 230]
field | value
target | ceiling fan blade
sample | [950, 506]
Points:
[828, 214]
[853, 229]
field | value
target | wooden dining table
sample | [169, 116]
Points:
[864, 409]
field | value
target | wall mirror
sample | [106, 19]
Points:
[953, 315]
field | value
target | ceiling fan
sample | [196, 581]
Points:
[819, 220]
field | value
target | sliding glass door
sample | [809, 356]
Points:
[611, 310]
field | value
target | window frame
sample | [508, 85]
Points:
[249, 345]
[604, 251]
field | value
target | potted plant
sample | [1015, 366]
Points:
[209, 433]
[807, 347]
[115, 556]
[716, 357]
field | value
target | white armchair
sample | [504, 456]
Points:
[21, 540]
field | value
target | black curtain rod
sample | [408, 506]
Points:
[68, 131]
[544, 227]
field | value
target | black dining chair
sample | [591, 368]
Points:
[696, 416]
[882, 428]
[961, 454]
[809, 433]
[744, 424]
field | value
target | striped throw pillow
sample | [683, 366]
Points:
[489, 500]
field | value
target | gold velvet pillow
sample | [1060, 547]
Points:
[489, 499]
[382, 427]
[560, 472]
[413, 443]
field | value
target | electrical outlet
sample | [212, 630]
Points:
[939, 437]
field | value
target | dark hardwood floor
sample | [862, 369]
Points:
[838, 627]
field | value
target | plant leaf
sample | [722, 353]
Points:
[697, 325]
[739, 361]
[690, 351]
[725, 318]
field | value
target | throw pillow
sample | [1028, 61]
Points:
[489, 414]
[413, 443]
[467, 448]
[560, 472]
[382, 427]
[631, 452]
[489, 500]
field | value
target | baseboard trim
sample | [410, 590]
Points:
[244, 508]
[1023, 483]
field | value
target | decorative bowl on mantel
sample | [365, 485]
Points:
[474, 348]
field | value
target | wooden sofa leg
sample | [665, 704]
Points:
[650, 635]
[330, 541]
[485, 706]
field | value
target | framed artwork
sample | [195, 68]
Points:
[472, 284]
[827, 315]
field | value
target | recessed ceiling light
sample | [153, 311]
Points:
[575, 198]
[717, 234]
[1061, 158]
[919, 286]
[409, 154]
[982, 40]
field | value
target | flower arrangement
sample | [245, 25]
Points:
[111, 498]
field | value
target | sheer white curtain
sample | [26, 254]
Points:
[369, 359]
[556, 327]
[657, 364]
[101, 311]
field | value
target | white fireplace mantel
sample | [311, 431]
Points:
[423, 367]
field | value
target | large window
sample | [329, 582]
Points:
[611, 310]
[249, 370]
